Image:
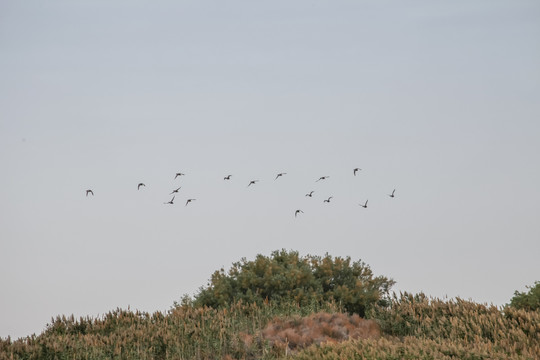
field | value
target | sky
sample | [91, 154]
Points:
[438, 100]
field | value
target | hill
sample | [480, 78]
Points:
[315, 326]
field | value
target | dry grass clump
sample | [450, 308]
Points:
[322, 327]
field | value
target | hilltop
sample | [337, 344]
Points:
[298, 307]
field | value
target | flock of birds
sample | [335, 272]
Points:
[252, 182]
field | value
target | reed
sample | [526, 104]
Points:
[184, 332]
[419, 327]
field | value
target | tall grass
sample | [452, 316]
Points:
[185, 332]
[419, 327]
[413, 327]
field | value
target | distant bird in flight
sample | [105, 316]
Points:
[365, 205]
[189, 200]
[392, 194]
[175, 191]
[280, 174]
[171, 202]
[89, 192]
[179, 174]
[252, 182]
[323, 178]
[228, 177]
[328, 200]
[297, 212]
[355, 170]
[139, 186]
[310, 193]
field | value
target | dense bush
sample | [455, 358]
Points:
[285, 276]
[527, 300]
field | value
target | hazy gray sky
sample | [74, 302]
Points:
[437, 99]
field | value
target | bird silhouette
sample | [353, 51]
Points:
[310, 193]
[175, 191]
[323, 178]
[228, 177]
[328, 200]
[280, 174]
[297, 212]
[252, 182]
[89, 192]
[189, 200]
[179, 174]
[139, 186]
[355, 170]
[171, 202]
[392, 194]
[365, 205]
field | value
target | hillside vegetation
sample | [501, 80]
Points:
[257, 311]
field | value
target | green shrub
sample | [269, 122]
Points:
[285, 276]
[529, 300]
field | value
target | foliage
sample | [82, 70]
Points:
[529, 300]
[285, 276]
[414, 327]
[418, 327]
[307, 322]
[185, 332]
[408, 348]
[461, 324]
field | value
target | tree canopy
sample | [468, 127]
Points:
[286, 276]
[527, 300]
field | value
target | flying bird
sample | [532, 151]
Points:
[139, 186]
[179, 174]
[392, 194]
[355, 170]
[89, 192]
[228, 177]
[189, 200]
[323, 178]
[280, 174]
[252, 182]
[175, 191]
[311, 193]
[365, 205]
[297, 212]
[171, 202]
[328, 200]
